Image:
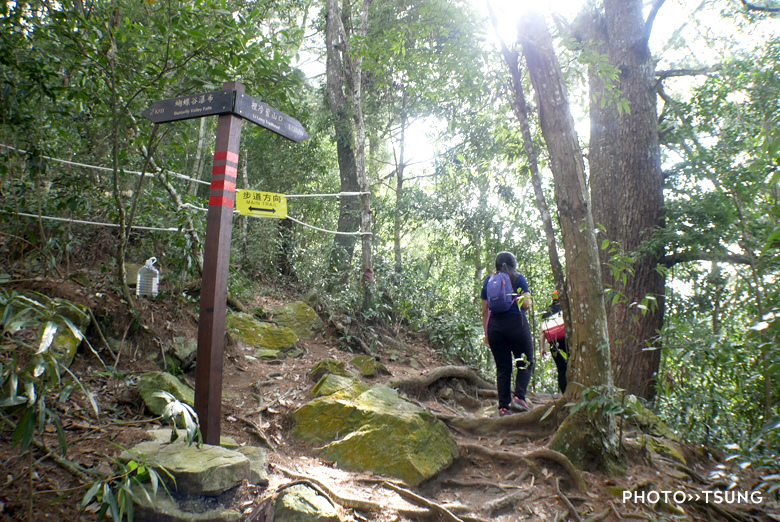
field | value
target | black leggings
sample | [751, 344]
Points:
[510, 338]
[560, 356]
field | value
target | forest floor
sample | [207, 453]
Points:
[504, 477]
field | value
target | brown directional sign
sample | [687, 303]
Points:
[262, 114]
[232, 106]
[226, 102]
[191, 106]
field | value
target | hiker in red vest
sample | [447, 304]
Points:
[554, 334]
[505, 298]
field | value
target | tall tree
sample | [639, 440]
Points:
[337, 24]
[626, 181]
[589, 441]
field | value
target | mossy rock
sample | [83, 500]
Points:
[665, 448]
[245, 328]
[369, 367]
[300, 503]
[300, 318]
[327, 366]
[376, 430]
[339, 386]
[162, 381]
[161, 506]
[647, 420]
[206, 470]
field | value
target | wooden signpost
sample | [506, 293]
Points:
[233, 106]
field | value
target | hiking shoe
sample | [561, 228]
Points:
[503, 412]
[520, 405]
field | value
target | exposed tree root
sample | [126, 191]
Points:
[543, 453]
[418, 384]
[257, 432]
[353, 340]
[504, 502]
[479, 484]
[348, 502]
[722, 513]
[529, 424]
[445, 513]
[572, 509]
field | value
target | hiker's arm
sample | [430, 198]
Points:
[484, 319]
[526, 301]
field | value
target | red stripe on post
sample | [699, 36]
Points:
[222, 202]
[223, 169]
[226, 155]
[223, 185]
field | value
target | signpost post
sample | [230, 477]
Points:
[233, 106]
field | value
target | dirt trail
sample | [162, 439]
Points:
[504, 477]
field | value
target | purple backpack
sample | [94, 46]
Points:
[500, 294]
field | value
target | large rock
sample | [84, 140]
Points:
[326, 366]
[375, 430]
[163, 435]
[300, 503]
[369, 366]
[165, 508]
[156, 381]
[258, 464]
[339, 387]
[208, 470]
[184, 351]
[248, 330]
[300, 318]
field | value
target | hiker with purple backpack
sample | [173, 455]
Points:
[505, 298]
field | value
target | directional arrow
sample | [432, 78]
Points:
[262, 114]
[274, 205]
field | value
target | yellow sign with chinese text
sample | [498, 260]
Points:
[261, 204]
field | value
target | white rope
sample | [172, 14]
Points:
[325, 195]
[68, 220]
[107, 169]
[329, 231]
[178, 175]
[188, 205]
[236, 212]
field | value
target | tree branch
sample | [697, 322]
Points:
[700, 255]
[651, 18]
[761, 8]
[662, 75]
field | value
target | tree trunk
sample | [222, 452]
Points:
[355, 80]
[349, 213]
[399, 189]
[589, 441]
[243, 220]
[198, 165]
[627, 187]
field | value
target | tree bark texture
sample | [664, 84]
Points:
[355, 81]
[349, 213]
[627, 186]
[589, 360]
[589, 357]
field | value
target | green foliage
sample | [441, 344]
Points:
[711, 386]
[117, 493]
[30, 371]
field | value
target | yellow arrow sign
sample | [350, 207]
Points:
[261, 204]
